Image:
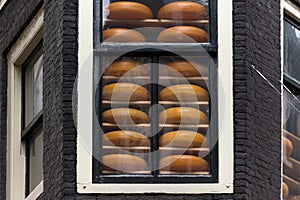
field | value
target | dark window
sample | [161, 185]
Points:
[155, 83]
[32, 114]
[291, 107]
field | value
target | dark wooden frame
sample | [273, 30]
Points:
[136, 49]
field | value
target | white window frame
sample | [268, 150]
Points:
[85, 113]
[15, 148]
[2, 3]
[287, 8]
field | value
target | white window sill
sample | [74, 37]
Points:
[36, 192]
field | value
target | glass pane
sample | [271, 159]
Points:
[35, 161]
[291, 145]
[125, 90]
[33, 90]
[166, 21]
[183, 115]
[291, 50]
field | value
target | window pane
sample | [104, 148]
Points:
[169, 21]
[291, 50]
[126, 103]
[33, 89]
[35, 161]
[291, 143]
[183, 115]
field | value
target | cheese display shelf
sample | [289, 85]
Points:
[132, 23]
[291, 164]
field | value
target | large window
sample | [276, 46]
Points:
[291, 105]
[154, 98]
[157, 114]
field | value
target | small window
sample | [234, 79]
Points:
[32, 135]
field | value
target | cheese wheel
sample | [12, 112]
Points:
[125, 92]
[183, 163]
[125, 139]
[125, 116]
[183, 68]
[182, 115]
[285, 190]
[287, 147]
[122, 35]
[129, 10]
[183, 10]
[183, 92]
[183, 138]
[124, 163]
[183, 34]
[127, 68]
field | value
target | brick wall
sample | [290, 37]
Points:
[256, 106]
[14, 17]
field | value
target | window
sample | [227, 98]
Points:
[125, 121]
[32, 134]
[24, 118]
[291, 106]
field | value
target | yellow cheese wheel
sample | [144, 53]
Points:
[183, 92]
[183, 10]
[183, 163]
[183, 68]
[182, 115]
[125, 139]
[129, 10]
[124, 163]
[127, 68]
[183, 138]
[285, 190]
[287, 147]
[122, 35]
[183, 34]
[125, 92]
[125, 116]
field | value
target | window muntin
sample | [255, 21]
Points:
[32, 134]
[101, 174]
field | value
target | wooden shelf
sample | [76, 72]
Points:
[292, 168]
[154, 23]
[138, 103]
[294, 186]
[205, 126]
[118, 172]
[130, 149]
[184, 149]
[185, 173]
[296, 143]
[134, 125]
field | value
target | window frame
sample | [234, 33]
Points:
[16, 159]
[85, 114]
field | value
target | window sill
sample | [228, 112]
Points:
[36, 192]
[215, 188]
